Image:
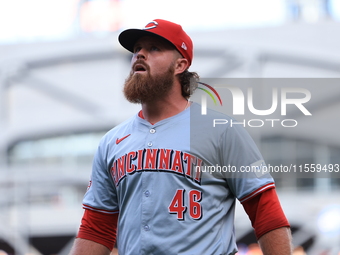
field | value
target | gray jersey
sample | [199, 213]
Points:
[168, 184]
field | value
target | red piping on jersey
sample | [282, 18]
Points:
[140, 114]
[99, 210]
[258, 191]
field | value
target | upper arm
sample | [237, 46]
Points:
[87, 247]
[239, 151]
[101, 193]
[265, 212]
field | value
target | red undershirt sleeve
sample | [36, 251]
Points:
[265, 212]
[99, 227]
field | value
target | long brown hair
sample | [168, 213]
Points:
[188, 82]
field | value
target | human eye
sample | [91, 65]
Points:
[154, 48]
[136, 49]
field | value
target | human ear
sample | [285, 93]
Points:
[182, 64]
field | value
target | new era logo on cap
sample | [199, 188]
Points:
[184, 46]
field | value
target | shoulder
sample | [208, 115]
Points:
[196, 110]
[213, 121]
[120, 130]
[221, 129]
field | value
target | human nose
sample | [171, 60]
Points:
[141, 54]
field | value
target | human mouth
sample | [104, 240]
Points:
[139, 68]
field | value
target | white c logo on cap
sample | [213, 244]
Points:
[155, 24]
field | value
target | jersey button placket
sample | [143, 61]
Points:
[151, 131]
[147, 201]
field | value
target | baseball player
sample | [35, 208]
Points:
[150, 189]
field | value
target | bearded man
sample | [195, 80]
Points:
[146, 182]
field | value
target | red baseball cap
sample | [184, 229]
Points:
[170, 31]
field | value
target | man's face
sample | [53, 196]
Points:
[152, 73]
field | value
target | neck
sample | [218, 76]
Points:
[162, 109]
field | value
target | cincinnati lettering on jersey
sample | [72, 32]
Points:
[166, 160]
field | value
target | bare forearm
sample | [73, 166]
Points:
[87, 247]
[276, 242]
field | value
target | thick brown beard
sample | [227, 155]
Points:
[144, 88]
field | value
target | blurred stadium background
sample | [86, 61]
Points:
[61, 76]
